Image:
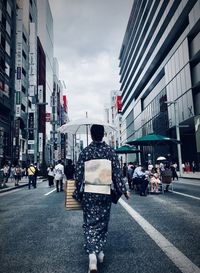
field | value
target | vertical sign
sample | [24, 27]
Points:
[40, 93]
[18, 55]
[118, 104]
[40, 143]
[31, 128]
[65, 103]
[16, 135]
[32, 60]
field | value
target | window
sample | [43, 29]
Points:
[24, 37]
[23, 89]
[7, 69]
[3, 42]
[23, 72]
[7, 48]
[24, 54]
[8, 29]
[8, 9]
[4, 21]
[23, 107]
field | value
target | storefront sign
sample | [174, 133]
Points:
[31, 126]
[40, 142]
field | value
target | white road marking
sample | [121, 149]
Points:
[193, 183]
[175, 255]
[8, 192]
[50, 192]
[187, 195]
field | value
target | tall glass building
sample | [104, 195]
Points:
[160, 75]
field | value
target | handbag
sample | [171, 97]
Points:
[70, 202]
[115, 196]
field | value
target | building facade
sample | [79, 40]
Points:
[7, 77]
[160, 75]
[45, 34]
[25, 120]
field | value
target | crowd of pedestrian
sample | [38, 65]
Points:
[55, 173]
[143, 179]
[12, 173]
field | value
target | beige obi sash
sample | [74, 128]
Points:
[98, 176]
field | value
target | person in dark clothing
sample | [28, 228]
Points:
[140, 179]
[69, 170]
[124, 170]
[97, 164]
[174, 173]
[35, 175]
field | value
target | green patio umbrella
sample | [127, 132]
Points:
[152, 139]
[127, 149]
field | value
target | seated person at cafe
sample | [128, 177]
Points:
[140, 180]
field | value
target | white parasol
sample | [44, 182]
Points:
[82, 126]
[160, 158]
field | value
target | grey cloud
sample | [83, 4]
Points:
[87, 39]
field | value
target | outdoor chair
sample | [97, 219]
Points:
[166, 180]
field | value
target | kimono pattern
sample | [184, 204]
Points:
[96, 207]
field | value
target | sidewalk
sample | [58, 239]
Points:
[22, 183]
[191, 175]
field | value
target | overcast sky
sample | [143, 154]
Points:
[88, 35]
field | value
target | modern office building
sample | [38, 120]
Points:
[7, 77]
[160, 75]
[45, 34]
[41, 122]
[25, 133]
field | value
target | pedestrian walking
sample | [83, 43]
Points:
[59, 174]
[12, 173]
[50, 173]
[96, 198]
[130, 174]
[187, 167]
[31, 179]
[69, 170]
[18, 173]
[6, 173]
[36, 174]
[124, 170]
[193, 167]
[174, 173]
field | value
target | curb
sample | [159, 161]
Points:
[20, 186]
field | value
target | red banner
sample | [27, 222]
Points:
[118, 104]
[65, 103]
[48, 117]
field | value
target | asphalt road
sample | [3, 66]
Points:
[153, 234]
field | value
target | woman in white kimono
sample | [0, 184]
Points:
[96, 206]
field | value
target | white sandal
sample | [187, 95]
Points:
[101, 257]
[92, 263]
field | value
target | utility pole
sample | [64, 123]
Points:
[177, 134]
